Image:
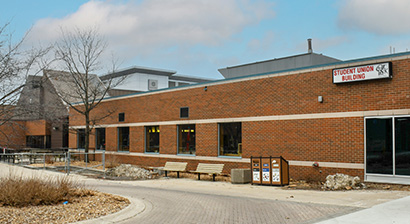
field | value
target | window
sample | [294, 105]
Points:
[38, 141]
[184, 112]
[81, 138]
[379, 146]
[171, 84]
[100, 138]
[152, 139]
[121, 117]
[186, 139]
[230, 139]
[388, 145]
[402, 145]
[124, 139]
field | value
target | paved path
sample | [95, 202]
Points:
[176, 206]
[191, 201]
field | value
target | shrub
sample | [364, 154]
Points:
[18, 191]
[112, 162]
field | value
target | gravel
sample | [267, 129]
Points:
[79, 209]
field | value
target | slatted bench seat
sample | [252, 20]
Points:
[175, 166]
[209, 168]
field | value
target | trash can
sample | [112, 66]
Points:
[270, 171]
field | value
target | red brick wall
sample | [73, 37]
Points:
[37, 127]
[284, 95]
[338, 140]
[168, 139]
[206, 139]
[330, 140]
[137, 139]
[111, 139]
[12, 135]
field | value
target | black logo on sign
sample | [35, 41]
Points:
[382, 70]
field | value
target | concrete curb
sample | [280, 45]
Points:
[135, 207]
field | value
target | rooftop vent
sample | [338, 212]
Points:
[310, 45]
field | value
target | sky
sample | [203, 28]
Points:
[198, 37]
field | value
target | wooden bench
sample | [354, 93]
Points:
[209, 168]
[175, 166]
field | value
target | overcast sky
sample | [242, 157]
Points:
[197, 37]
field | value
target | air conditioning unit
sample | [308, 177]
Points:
[152, 84]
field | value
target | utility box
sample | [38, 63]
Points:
[270, 171]
[241, 176]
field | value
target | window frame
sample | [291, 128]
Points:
[239, 147]
[384, 177]
[146, 146]
[119, 148]
[178, 141]
[97, 136]
[78, 138]
[181, 112]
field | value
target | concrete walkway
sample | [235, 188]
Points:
[191, 201]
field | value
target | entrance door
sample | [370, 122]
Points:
[388, 146]
[379, 146]
[402, 145]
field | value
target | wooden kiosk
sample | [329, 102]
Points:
[270, 170]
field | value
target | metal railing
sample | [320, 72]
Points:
[48, 161]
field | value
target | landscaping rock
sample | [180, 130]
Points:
[341, 181]
[129, 171]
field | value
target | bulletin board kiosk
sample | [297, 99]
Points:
[270, 171]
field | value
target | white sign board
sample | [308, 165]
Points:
[256, 174]
[275, 175]
[265, 174]
[362, 72]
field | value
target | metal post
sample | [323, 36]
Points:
[44, 161]
[65, 160]
[68, 163]
[86, 159]
[103, 162]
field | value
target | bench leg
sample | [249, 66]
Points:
[199, 176]
[213, 177]
[166, 173]
[177, 174]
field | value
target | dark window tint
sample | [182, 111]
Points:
[379, 146]
[100, 138]
[184, 112]
[186, 139]
[121, 117]
[123, 139]
[152, 139]
[402, 143]
[230, 139]
[81, 138]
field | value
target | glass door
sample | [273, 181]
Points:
[402, 145]
[379, 146]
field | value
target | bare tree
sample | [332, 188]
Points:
[15, 65]
[80, 53]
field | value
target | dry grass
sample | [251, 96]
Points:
[111, 161]
[18, 191]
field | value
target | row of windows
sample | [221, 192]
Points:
[229, 139]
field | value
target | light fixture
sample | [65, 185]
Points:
[205, 88]
[320, 99]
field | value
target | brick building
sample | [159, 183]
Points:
[351, 117]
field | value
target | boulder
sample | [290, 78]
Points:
[341, 182]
